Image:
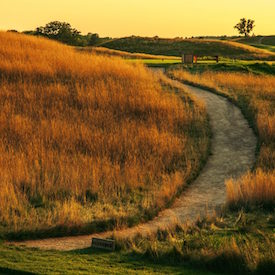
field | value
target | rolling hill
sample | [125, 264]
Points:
[178, 46]
[261, 42]
[259, 39]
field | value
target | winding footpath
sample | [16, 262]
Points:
[232, 154]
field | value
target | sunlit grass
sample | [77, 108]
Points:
[86, 139]
[255, 94]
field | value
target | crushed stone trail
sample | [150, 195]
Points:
[233, 148]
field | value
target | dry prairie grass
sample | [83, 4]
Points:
[252, 189]
[256, 97]
[86, 138]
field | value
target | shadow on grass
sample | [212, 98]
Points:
[4, 270]
[140, 261]
[74, 230]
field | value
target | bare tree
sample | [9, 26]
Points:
[245, 26]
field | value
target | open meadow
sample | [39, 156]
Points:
[261, 42]
[137, 137]
[92, 141]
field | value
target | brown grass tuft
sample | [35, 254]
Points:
[252, 189]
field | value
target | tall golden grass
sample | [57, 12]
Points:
[86, 138]
[255, 94]
[258, 188]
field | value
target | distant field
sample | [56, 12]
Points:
[123, 54]
[265, 47]
[157, 62]
[147, 59]
[176, 47]
[261, 42]
[240, 66]
[265, 40]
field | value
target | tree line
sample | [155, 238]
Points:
[65, 33]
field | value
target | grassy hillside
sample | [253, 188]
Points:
[265, 40]
[261, 42]
[176, 47]
[147, 59]
[88, 142]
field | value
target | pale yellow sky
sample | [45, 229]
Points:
[165, 18]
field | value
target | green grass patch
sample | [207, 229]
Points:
[234, 243]
[228, 65]
[16, 260]
[265, 47]
[156, 62]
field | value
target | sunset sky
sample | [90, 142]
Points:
[116, 18]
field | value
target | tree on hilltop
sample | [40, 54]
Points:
[245, 26]
[92, 38]
[61, 31]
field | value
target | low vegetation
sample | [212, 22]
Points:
[262, 42]
[239, 243]
[88, 142]
[179, 46]
[126, 55]
[23, 261]
[234, 66]
[235, 243]
[255, 96]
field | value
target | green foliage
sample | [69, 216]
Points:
[157, 62]
[60, 31]
[65, 33]
[92, 39]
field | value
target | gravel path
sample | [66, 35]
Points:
[233, 153]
